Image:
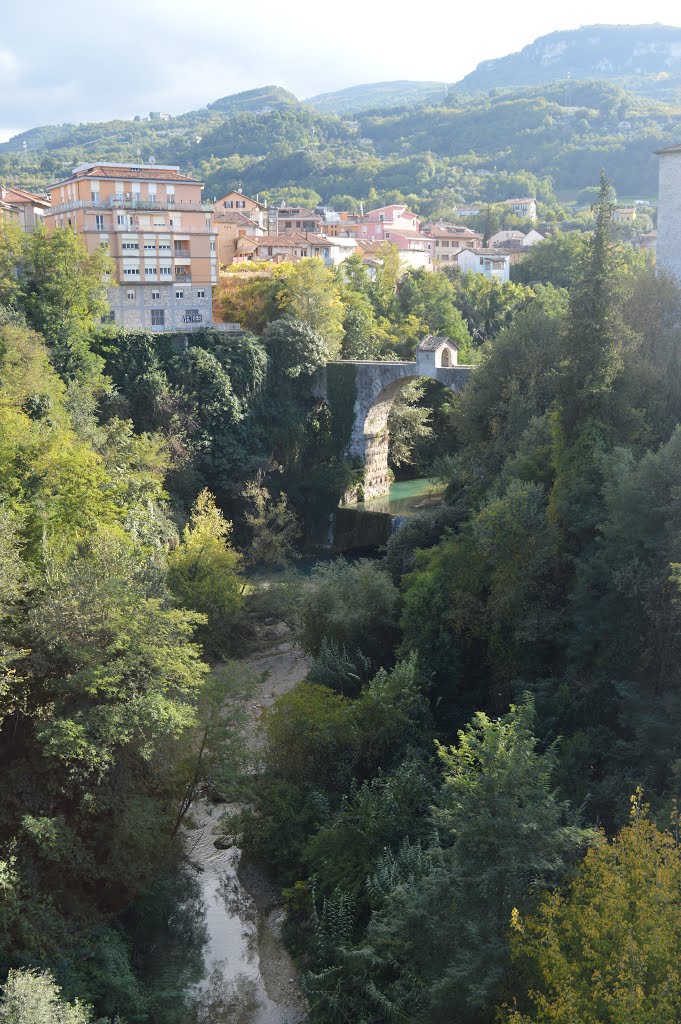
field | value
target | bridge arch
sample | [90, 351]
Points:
[377, 385]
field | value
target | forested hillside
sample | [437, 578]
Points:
[471, 801]
[538, 140]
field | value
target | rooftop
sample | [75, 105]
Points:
[432, 342]
[130, 172]
[18, 195]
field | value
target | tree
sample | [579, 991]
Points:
[12, 243]
[33, 997]
[594, 338]
[431, 298]
[552, 261]
[64, 293]
[388, 273]
[353, 604]
[203, 573]
[275, 526]
[504, 838]
[486, 304]
[606, 951]
[309, 293]
[360, 340]
[408, 423]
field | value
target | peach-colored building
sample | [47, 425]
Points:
[449, 238]
[159, 233]
[237, 215]
[31, 208]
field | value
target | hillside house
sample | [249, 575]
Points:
[236, 215]
[490, 262]
[293, 247]
[515, 239]
[293, 219]
[449, 238]
[31, 209]
[525, 207]
[160, 235]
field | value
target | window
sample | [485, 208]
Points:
[121, 218]
[150, 246]
[131, 272]
[95, 195]
[155, 294]
[99, 221]
[179, 294]
[212, 245]
[158, 317]
[228, 204]
[445, 245]
[240, 204]
[481, 261]
[130, 245]
[192, 316]
[165, 272]
[109, 318]
[201, 294]
[130, 294]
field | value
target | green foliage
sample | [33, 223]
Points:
[203, 573]
[352, 604]
[607, 949]
[32, 997]
[341, 394]
[318, 746]
[274, 525]
[63, 292]
[504, 837]
[310, 295]
[100, 681]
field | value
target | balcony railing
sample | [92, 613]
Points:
[129, 203]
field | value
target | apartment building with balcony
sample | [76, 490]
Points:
[159, 233]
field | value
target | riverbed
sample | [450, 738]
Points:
[249, 977]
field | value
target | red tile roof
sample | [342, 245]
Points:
[129, 172]
[18, 195]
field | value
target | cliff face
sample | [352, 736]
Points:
[617, 52]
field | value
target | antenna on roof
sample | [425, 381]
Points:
[152, 160]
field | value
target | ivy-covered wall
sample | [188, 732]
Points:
[341, 394]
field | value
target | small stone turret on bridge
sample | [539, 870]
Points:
[376, 386]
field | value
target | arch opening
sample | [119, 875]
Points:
[376, 438]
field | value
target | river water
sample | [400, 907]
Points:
[405, 498]
[248, 976]
[233, 990]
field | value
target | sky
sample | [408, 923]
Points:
[91, 61]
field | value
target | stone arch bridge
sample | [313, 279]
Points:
[376, 386]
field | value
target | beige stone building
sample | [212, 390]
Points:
[159, 233]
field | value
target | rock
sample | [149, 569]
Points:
[223, 843]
